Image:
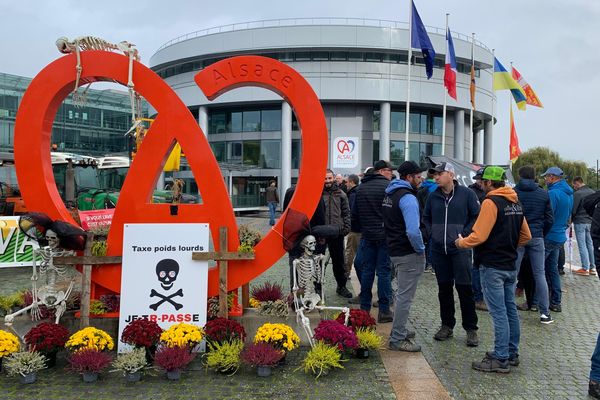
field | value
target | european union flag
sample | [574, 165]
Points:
[420, 40]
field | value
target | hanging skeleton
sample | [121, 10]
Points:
[309, 276]
[47, 293]
[85, 43]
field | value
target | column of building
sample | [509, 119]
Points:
[384, 131]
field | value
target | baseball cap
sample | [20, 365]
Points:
[441, 167]
[493, 173]
[409, 168]
[479, 173]
[554, 171]
[381, 164]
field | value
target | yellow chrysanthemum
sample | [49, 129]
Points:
[9, 343]
[181, 335]
[90, 338]
[280, 335]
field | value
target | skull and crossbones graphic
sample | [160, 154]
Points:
[166, 272]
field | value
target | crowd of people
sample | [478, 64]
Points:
[480, 241]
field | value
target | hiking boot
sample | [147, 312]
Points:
[491, 364]
[480, 305]
[594, 389]
[404, 345]
[513, 359]
[546, 319]
[354, 300]
[555, 307]
[472, 339]
[342, 291]
[384, 317]
[523, 307]
[582, 272]
[444, 333]
[593, 271]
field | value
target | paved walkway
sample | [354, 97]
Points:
[555, 359]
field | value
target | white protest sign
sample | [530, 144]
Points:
[159, 280]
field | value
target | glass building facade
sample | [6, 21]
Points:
[97, 128]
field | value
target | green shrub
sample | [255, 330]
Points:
[131, 362]
[369, 339]
[97, 307]
[224, 357]
[321, 358]
[23, 363]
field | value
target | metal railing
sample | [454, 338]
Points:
[270, 23]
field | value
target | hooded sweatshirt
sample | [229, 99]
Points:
[401, 218]
[561, 198]
[503, 253]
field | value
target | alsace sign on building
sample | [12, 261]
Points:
[16, 249]
[159, 280]
[345, 152]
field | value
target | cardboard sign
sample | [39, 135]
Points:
[96, 218]
[16, 249]
[159, 280]
[345, 151]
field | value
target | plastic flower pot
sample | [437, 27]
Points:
[133, 376]
[362, 353]
[90, 377]
[174, 375]
[29, 378]
[263, 371]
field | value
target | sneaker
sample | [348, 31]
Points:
[404, 345]
[594, 389]
[444, 333]
[533, 308]
[384, 317]
[354, 300]
[582, 272]
[491, 364]
[480, 305]
[546, 319]
[344, 292]
[555, 307]
[472, 339]
[513, 359]
[593, 271]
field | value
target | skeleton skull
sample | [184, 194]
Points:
[62, 43]
[167, 271]
[52, 238]
[308, 244]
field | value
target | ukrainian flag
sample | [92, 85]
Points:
[504, 81]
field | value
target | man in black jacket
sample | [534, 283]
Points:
[337, 212]
[451, 210]
[372, 251]
[538, 212]
[353, 238]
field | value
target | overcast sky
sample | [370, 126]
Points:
[555, 45]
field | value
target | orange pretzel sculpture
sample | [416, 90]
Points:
[173, 123]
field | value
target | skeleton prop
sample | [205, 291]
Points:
[84, 43]
[309, 271]
[44, 289]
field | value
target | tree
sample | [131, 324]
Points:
[542, 158]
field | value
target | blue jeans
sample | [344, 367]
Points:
[551, 250]
[373, 258]
[595, 371]
[272, 207]
[476, 282]
[583, 233]
[535, 250]
[499, 292]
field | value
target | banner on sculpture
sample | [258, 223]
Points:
[94, 219]
[16, 249]
[159, 280]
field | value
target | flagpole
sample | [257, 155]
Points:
[445, 101]
[472, 109]
[491, 135]
[509, 114]
[407, 128]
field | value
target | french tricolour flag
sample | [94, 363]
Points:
[450, 70]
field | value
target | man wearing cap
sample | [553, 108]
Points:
[337, 212]
[477, 187]
[500, 228]
[449, 211]
[372, 251]
[538, 212]
[561, 199]
[401, 218]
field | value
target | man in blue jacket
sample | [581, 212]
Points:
[401, 219]
[538, 212]
[561, 198]
[449, 211]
